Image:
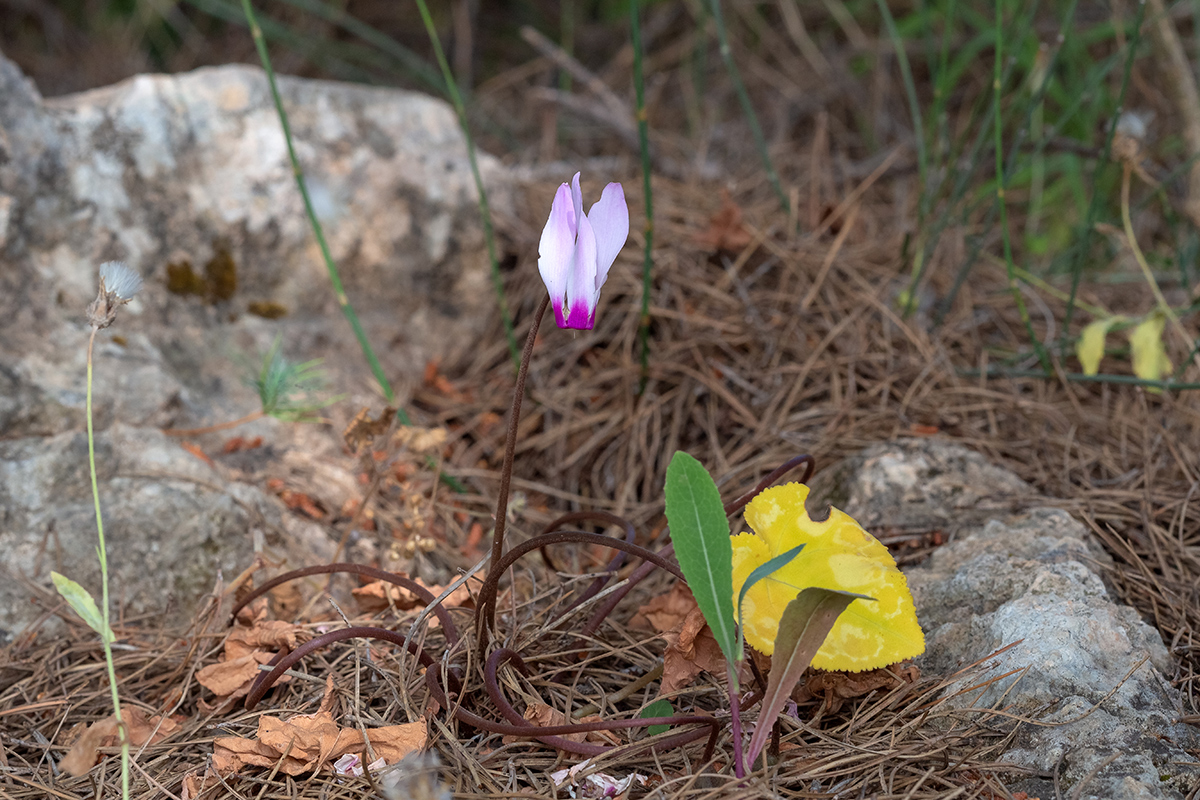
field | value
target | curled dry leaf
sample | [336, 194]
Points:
[196, 781]
[315, 741]
[665, 611]
[837, 687]
[374, 597]
[142, 728]
[422, 441]
[363, 430]
[246, 648]
[725, 230]
[691, 647]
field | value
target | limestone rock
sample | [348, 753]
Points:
[1088, 669]
[918, 484]
[187, 179]
[171, 523]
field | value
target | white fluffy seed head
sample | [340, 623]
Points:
[120, 279]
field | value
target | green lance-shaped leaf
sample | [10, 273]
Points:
[803, 627]
[80, 600]
[761, 572]
[1090, 347]
[700, 532]
[659, 708]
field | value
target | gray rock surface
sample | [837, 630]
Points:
[188, 176]
[171, 523]
[1089, 670]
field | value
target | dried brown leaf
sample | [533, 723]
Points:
[311, 741]
[142, 729]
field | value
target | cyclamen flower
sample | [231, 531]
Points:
[576, 251]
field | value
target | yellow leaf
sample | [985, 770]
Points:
[1147, 351]
[1090, 347]
[838, 554]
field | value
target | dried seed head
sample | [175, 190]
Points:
[1130, 136]
[120, 279]
[119, 282]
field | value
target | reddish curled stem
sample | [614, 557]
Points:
[613, 565]
[731, 507]
[553, 734]
[285, 661]
[810, 463]
[490, 588]
[420, 591]
[486, 621]
[517, 727]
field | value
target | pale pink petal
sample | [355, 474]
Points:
[582, 293]
[576, 199]
[610, 221]
[556, 250]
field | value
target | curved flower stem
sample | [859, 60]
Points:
[735, 722]
[731, 507]
[553, 734]
[487, 593]
[284, 661]
[486, 621]
[422, 593]
[613, 565]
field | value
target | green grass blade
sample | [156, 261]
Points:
[910, 89]
[1085, 237]
[331, 267]
[1001, 182]
[485, 211]
[744, 99]
[639, 87]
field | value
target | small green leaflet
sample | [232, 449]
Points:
[803, 627]
[700, 532]
[764, 570]
[84, 605]
[659, 708]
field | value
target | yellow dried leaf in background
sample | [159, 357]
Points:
[1090, 347]
[1147, 351]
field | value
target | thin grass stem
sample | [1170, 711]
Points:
[102, 555]
[1001, 182]
[1147, 273]
[910, 89]
[1089, 223]
[485, 211]
[334, 276]
[639, 87]
[331, 267]
[336, 14]
[744, 98]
